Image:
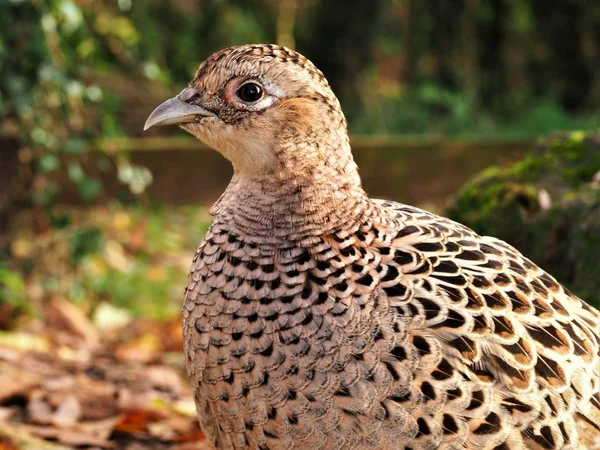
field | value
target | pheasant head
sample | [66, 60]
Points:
[266, 108]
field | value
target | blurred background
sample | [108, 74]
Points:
[483, 110]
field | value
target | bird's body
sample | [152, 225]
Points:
[318, 318]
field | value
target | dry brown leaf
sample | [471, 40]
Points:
[66, 436]
[137, 241]
[68, 412]
[175, 428]
[172, 339]
[38, 408]
[7, 315]
[97, 399]
[6, 414]
[164, 379]
[136, 420]
[100, 429]
[18, 437]
[196, 435]
[15, 382]
[5, 445]
[144, 349]
[62, 315]
[115, 395]
[8, 355]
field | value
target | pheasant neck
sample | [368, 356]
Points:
[296, 201]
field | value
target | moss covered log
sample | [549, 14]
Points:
[548, 206]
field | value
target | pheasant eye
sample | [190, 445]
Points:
[250, 92]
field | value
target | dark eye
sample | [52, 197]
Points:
[250, 92]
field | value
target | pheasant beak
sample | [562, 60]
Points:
[176, 110]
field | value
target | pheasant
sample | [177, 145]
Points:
[316, 317]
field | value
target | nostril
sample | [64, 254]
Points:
[189, 95]
[194, 98]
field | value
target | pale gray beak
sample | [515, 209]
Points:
[175, 110]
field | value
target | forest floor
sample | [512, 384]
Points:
[90, 334]
[65, 384]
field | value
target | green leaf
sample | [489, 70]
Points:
[61, 220]
[47, 196]
[12, 288]
[89, 189]
[76, 173]
[49, 163]
[84, 242]
[75, 145]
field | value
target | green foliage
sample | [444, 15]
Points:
[49, 52]
[50, 55]
[12, 288]
[430, 108]
[558, 165]
[547, 205]
[178, 35]
[85, 242]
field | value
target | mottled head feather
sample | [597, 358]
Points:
[234, 58]
[257, 138]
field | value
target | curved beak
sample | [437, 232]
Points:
[175, 111]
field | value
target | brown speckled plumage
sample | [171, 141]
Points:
[318, 318]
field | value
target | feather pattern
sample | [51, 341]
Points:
[405, 330]
[318, 318]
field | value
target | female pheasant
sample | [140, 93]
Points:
[318, 318]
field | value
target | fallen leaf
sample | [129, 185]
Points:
[38, 408]
[172, 338]
[115, 257]
[185, 407]
[63, 315]
[6, 413]
[143, 349]
[100, 429]
[15, 383]
[68, 412]
[16, 436]
[96, 399]
[22, 247]
[136, 420]
[8, 354]
[73, 354]
[121, 221]
[108, 317]
[68, 436]
[118, 395]
[164, 379]
[22, 341]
